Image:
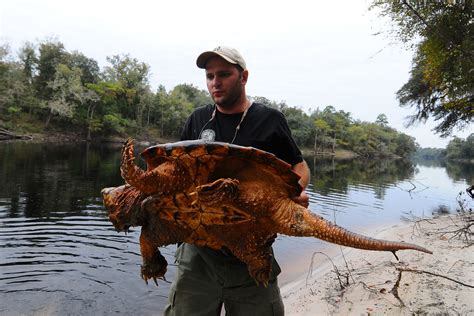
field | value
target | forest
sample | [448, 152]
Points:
[44, 87]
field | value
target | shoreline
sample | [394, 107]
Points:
[375, 283]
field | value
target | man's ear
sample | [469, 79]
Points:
[245, 76]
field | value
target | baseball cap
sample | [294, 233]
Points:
[228, 53]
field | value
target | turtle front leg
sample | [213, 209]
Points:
[154, 264]
[219, 203]
[217, 192]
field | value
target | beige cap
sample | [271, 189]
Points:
[228, 53]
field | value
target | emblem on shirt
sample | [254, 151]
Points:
[208, 135]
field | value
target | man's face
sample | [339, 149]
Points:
[224, 82]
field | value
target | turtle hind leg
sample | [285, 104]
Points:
[258, 258]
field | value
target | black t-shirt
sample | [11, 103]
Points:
[263, 127]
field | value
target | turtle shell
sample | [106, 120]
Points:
[214, 160]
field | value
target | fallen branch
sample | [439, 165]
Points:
[6, 134]
[394, 290]
[433, 274]
[412, 190]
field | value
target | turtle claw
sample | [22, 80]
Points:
[144, 278]
[154, 269]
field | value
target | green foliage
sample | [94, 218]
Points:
[114, 123]
[192, 94]
[13, 110]
[441, 83]
[90, 71]
[51, 54]
[460, 149]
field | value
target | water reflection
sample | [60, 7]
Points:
[59, 253]
[329, 175]
[458, 171]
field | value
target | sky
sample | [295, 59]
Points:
[308, 54]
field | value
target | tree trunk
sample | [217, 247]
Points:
[315, 147]
[148, 116]
[334, 144]
[89, 127]
[50, 115]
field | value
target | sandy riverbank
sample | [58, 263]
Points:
[375, 283]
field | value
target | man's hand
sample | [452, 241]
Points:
[302, 199]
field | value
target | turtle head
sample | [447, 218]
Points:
[123, 204]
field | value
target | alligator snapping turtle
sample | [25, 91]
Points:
[218, 195]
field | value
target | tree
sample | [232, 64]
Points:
[322, 129]
[132, 75]
[174, 115]
[29, 62]
[454, 148]
[441, 80]
[460, 149]
[51, 53]
[13, 86]
[301, 125]
[88, 66]
[66, 89]
[381, 120]
[190, 93]
[405, 145]
[107, 95]
[29, 59]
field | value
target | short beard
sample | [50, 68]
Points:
[230, 101]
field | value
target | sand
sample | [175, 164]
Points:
[375, 283]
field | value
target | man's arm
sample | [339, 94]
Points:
[303, 171]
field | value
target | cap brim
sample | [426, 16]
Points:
[202, 59]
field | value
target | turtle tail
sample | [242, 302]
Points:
[302, 222]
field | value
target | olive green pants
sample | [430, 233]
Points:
[205, 282]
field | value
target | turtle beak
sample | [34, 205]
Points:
[109, 198]
[105, 191]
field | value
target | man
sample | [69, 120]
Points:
[207, 279]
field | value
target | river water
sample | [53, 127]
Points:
[59, 254]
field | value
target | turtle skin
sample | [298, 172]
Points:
[217, 195]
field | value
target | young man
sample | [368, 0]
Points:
[206, 279]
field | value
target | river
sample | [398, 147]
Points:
[60, 255]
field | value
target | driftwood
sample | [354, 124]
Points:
[7, 135]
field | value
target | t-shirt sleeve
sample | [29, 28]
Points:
[288, 150]
[187, 131]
